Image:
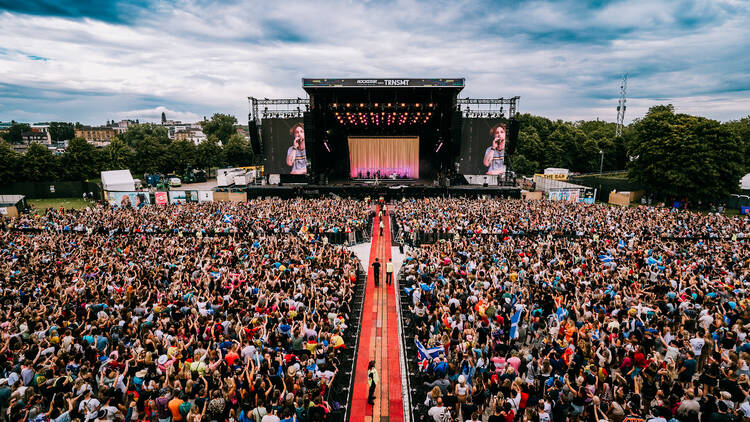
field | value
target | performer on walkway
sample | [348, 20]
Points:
[372, 381]
[376, 271]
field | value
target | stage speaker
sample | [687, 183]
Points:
[455, 140]
[311, 140]
[255, 143]
[485, 183]
[513, 128]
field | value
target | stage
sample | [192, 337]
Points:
[390, 189]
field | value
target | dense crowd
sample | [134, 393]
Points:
[540, 311]
[421, 219]
[154, 325]
[270, 216]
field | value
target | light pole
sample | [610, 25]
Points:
[601, 162]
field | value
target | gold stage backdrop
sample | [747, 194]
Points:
[390, 154]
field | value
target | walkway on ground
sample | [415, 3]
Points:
[379, 341]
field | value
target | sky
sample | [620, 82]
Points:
[92, 60]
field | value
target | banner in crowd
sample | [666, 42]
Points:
[177, 197]
[161, 198]
[129, 199]
[205, 196]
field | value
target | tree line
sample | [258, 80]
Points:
[672, 155]
[144, 148]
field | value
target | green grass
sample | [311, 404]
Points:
[68, 203]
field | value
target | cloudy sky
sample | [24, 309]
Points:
[93, 60]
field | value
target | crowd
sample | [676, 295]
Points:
[117, 315]
[539, 311]
[430, 218]
[270, 216]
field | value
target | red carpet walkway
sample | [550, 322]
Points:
[379, 341]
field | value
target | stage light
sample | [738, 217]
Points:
[403, 104]
[376, 104]
[417, 104]
[335, 105]
[361, 105]
[431, 104]
[389, 104]
[348, 105]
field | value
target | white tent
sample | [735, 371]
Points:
[118, 181]
[745, 182]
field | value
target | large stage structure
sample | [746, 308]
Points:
[407, 132]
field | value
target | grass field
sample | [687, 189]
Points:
[68, 203]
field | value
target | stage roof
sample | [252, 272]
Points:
[383, 83]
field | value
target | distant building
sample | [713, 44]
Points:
[99, 136]
[191, 134]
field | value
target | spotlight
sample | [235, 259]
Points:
[335, 105]
[417, 104]
[403, 104]
[361, 105]
[376, 104]
[348, 105]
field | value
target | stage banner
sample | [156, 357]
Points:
[384, 156]
[161, 198]
[128, 199]
[284, 146]
[205, 196]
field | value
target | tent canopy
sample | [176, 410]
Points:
[118, 181]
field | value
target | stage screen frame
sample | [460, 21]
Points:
[279, 138]
[476, 142]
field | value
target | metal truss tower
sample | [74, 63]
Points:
[621, 105]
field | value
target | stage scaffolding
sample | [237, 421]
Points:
[488, 107]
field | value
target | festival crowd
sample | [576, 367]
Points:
[552, 311]
[176, 313]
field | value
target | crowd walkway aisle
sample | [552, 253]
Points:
[379, 341]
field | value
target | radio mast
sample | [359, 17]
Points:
[621, 105]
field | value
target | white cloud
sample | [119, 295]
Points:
[201, 59]
[154, 115]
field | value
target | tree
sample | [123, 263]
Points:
[524, 166]
[150, 154]
[61, 131]
[531, 148]
[15, 132]
[180, 155]
[237, 151]
[209, 153]
[573, 149]
[678, 156]
[39, 164]
[117, 155]
[10, 164]
[137, 133]
[220, 125]
[742, 129]
[80, 160]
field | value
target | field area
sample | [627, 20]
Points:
[40, 205]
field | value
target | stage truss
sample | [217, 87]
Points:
[264, 108]
[488, 107]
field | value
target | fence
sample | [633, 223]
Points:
[605, 185]
[38, 190]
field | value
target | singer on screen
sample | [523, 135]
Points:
[296, 156]
[494, 156]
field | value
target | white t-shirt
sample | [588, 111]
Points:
[697, 345]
